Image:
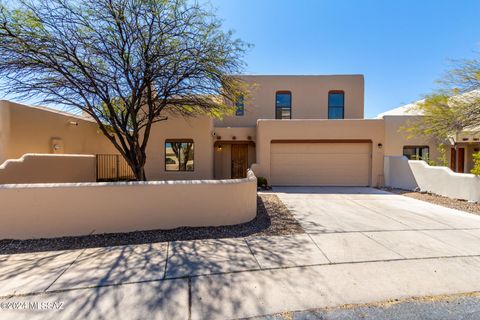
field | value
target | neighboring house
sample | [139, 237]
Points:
[292, 130]
[459, 149]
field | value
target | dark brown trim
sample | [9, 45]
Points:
[178, 140]
[328, 103]
[291, 102]
[233, 142]
[324, 141]
[165, 154]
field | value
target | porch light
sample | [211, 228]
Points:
[219, 147]
[380, 145]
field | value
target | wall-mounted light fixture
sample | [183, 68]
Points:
[73, 123]
[219, 147]
[234, 138]
[380, 145]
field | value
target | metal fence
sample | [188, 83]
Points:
[113, 167]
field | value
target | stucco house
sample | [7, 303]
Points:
[292, 130]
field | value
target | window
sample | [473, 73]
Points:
[283, 105]
[240, 111]
[416, 152]
[336, 104]
[179, 155]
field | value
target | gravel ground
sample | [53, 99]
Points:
[443, 201]
[455, 307]
[273, 218]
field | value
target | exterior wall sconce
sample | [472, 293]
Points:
[380, 145]
[73, 123]
[234, 138]
[219, 147]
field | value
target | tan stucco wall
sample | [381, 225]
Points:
[199, 129]
[48, 168]
[396, 138]
[268, 130]
[53, 210]
[309, 97]
[32, 130]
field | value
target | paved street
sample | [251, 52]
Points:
[362, 245]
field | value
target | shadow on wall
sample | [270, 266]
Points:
[272, 218]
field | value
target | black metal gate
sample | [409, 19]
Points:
[113, 167]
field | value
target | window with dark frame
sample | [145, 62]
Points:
[179, 155]
[283, 105]
[417, 152]
[240, 107]
[336, 105]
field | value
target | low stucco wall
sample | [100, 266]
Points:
[48, 168]
[410, 174]
[53, 210]
[398, 173]
[445, 182]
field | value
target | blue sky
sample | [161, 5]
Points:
[401, 47]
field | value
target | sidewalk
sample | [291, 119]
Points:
[218, 279]
[359, 248]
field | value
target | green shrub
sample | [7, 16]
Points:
[262, 182]
[476, 164]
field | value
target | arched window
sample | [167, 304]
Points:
[283, 105]
[336, 105]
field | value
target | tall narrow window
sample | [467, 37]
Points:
[179, 155]
[283, 105]
[240, 110]
[336, 105]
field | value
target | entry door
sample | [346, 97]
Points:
[461, 160]
[453, 159]
[239, 161]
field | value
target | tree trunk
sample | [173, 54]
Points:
[137, 164]
[139, 172]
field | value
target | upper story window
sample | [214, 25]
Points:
[240, 107]
[416, 152]
[283, 105]
[179, 155]
[336, 105]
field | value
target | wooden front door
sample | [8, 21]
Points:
[239, 161]
[453, 159]
[461, 160]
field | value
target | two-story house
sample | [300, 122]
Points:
[292, 130]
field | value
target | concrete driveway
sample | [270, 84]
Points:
[361, 245]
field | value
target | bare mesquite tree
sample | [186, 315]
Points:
[125, 63]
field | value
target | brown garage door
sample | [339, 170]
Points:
[320, 164]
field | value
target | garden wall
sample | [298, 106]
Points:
[405, 174]
[48, 168]
[69, 209]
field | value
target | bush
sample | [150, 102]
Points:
[476, 164]
[262, 182]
